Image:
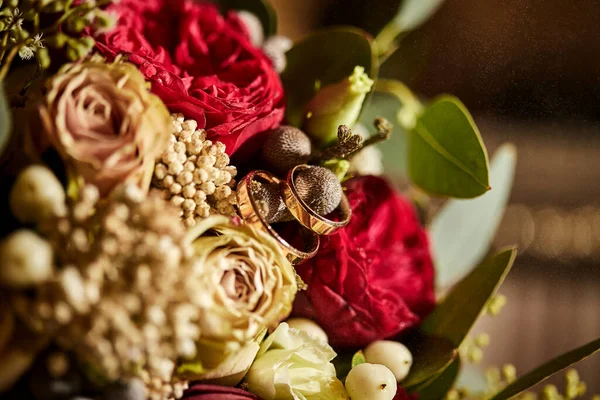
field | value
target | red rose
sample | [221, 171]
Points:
[374, 278]
[213, 392]
[201, 64]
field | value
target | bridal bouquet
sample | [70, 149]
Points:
[194, 208]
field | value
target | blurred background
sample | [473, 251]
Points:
[529, 71]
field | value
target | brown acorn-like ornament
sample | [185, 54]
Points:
[285, 148]
[318, 187]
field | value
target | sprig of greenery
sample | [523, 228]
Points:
[27, 26]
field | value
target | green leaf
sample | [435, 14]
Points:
[5, 120]
[358, 358]
[436, 388]
[457, 251]
[446, 155]
[431, 356]
[394, 149]
[261, 8]
[325, 57]
[546, 370]
[457, 312]
[414, 13]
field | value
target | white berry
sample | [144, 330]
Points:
[371, 382]
[308, 326]
[25, 259]
[36, 195]
[393, 355]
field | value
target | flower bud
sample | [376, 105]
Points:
[371, 382]
[43, 57]
[57, 41]
[25, 259]
[308, 326]
[36, 195]
[392, 354]
[337, 104]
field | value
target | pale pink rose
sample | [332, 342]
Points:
[103, 122]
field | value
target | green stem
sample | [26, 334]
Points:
[386, 38]
[4, 43]
[411, 106]
[9, 59]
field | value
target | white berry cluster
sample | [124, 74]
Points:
[194, 173]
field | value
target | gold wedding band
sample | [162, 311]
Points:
[252, 215]
[304, 214]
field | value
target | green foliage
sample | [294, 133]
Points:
[322, 58]
[5, 120]
[446, 155]
[387, 105]
[411, 14]
[414, 13]
[546, 370]
[358, 358]
[27, 26]
[261, 8]
[436, 388]
[457, 251]
[431, 356]
[457, 312]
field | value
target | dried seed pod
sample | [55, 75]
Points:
[318, 187]
[285, 148]
[271, 203]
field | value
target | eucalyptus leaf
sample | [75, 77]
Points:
[431, 356]
[457, 312]
[414, 13]
[394, 149]
[446, 155]
[546, 370]
[358, 358]
[5, 119]
[261, 8]
[436, 388]
[322, 58]
[462, 230]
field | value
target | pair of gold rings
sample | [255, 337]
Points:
[312, 223]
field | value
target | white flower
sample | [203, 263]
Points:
[292, 365]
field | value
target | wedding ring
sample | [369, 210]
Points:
[304, 214]
[252, 215]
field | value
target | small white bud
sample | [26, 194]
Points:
[36, 195]
[371, 382]
[392, 354]
[308, 326]
[25, 259]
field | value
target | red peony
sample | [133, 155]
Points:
[201, 64]
[212, 392]
[374, 278]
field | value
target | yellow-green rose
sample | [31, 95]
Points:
[249, 286]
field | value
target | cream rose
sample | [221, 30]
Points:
[292, 365]
[250, 285]
[103, 122]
